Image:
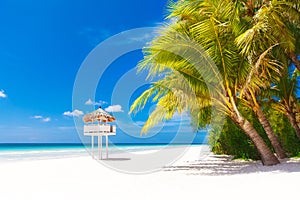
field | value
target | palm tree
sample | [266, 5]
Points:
[211, 24]
[274, 22]
[285, 90]
[292, 15]
[273, 28]
[263, 72]
[256, 107]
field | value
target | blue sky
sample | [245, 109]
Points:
[42, 46]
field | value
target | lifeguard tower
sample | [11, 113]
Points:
[96, 126]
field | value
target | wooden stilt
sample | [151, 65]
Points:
[106, 141]
[93, 146]
[94, 130]
[100, 147]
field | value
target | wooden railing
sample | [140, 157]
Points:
[104, 129]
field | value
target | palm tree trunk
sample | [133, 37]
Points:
[267, 127]
[270, 133]
[266, 155]
[293, 122]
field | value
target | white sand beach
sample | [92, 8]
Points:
[214, 177]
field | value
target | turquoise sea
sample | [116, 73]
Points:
[17, 152]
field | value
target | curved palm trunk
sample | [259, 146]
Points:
[270, 133]
[293, 122]
[267, 127]
[267, 156]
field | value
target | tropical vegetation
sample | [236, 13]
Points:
[232, 65]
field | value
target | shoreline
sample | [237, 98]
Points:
[40, 152]
[194, 158]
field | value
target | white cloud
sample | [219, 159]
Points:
[37, 117]
[89, 102]
[99, 103]
[75, 113]
[114, 108]
[48, 119]
[43, 119]
[2, 94]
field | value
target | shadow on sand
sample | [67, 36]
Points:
[116, 159]
[216, 165]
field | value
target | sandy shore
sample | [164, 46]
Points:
[215, 177]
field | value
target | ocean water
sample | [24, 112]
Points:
[19, 152]
[16, 152]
